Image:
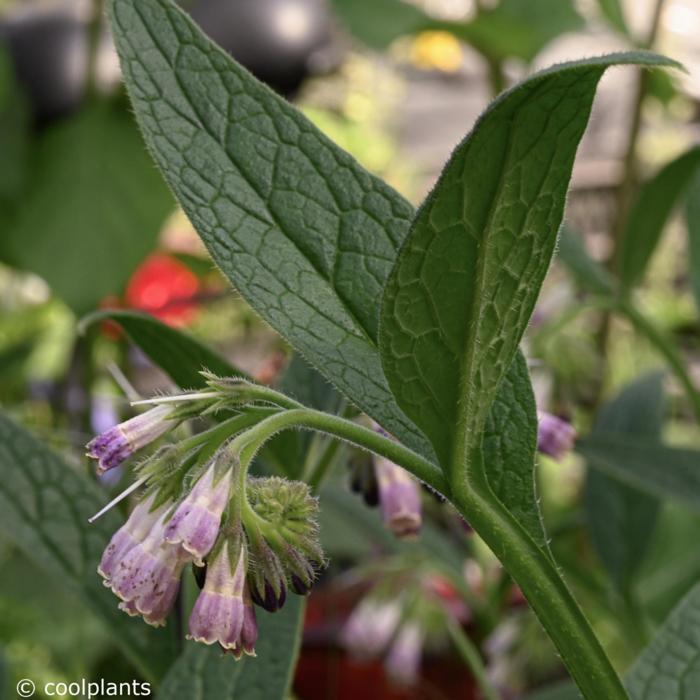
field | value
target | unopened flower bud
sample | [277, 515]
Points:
[290, 546]
[399, 498]
[195, 523]
[363, 479]
[117, 444]
[555, 436]
[266, 577]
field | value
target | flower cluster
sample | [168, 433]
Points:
[254, 539]
[404, 611]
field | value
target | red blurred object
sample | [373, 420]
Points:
[327, 672]
[164, 287]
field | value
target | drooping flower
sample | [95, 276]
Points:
[403, 661]
[117, 444]
[399, 498]
[134, 530]
[268, 587]
[370, 627]
[147, 578]
[195, 523]
[223, 613]
[555, 436]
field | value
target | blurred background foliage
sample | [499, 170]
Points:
[86, 223]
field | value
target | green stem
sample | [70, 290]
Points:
[94, 37]
[529, 565]
[644, 326]
[543, 587]
[626, 191]
[471, 657]
[497, 80]
[348, 431]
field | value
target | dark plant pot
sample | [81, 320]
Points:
[49, 53]
[276, 40]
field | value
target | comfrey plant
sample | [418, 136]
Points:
[414, 316]
[256, 538]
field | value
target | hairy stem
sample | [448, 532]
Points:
[348, 431]
[529, 565]
[545, 590]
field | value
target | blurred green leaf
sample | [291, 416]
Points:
[621, 519]
[692, 218]
[588, 273]
[661, 471]
[378, 22]
[93, 209]
[204, 673]
[668, 668]
[511, 28]
[612, 12]
[558, 691]
[467, 277]
[14, 131]
[519, 28]
[649, 214]
[662, 86]
[178, 354]
[304, 383]
[44, 507]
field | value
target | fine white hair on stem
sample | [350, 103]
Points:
[174, 399]
[119, 498]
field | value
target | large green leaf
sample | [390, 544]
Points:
[204, 673]
[178, 354]
[621, 519]
[44, 507]
[669, 668]
[650, 211]
[661, 471]
[302, 230]
[509, 445]
[94, 208]
[467, 278]
[692, 217]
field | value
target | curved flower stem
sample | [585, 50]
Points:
[545, 590]
[345, 430]
[471, 657]
[526, 562]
